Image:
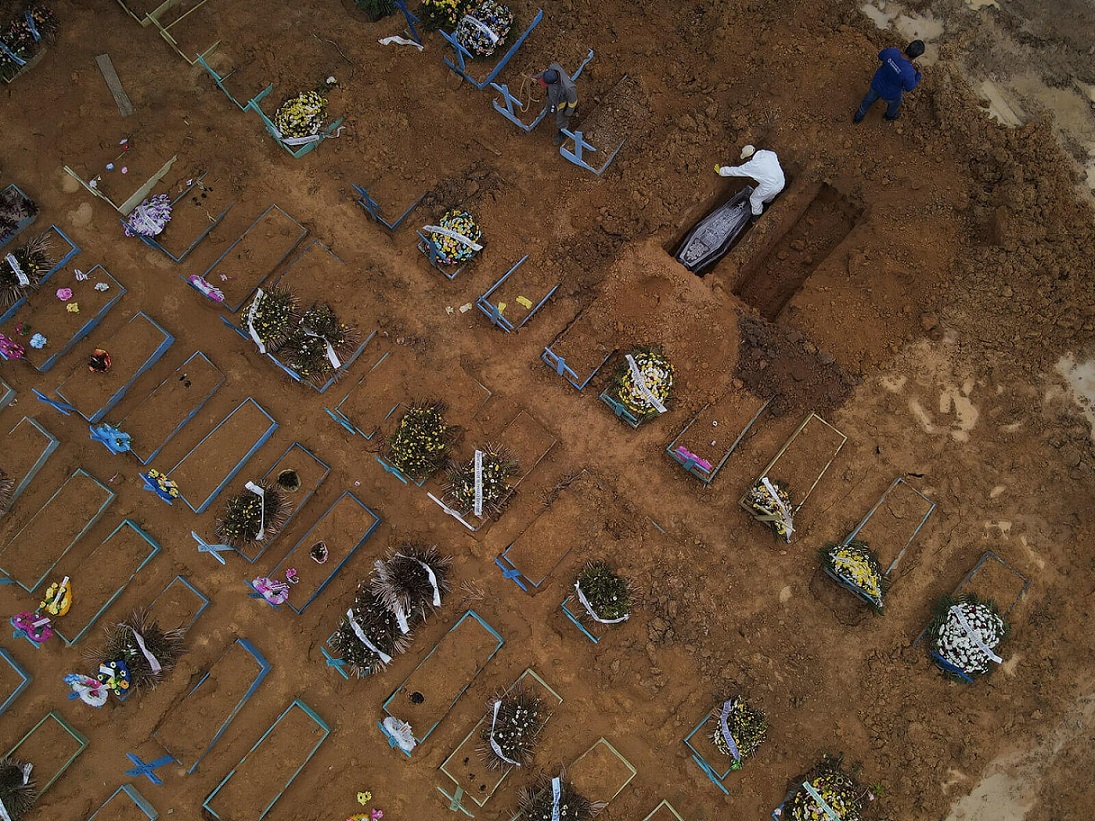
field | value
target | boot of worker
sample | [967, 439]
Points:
[558, 138]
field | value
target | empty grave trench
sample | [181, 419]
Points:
[773, 278]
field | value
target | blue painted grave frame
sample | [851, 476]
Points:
[561, 368]
[273, 426]
[304, 544]
[180, 579]
[388, 701]
[154, 550]
[374, 209]
[7, 394]
[130, 792]
[209, 271]
[24, 679]
[577, 155]
[86, 527]
[713, 775]
[343, 420]
[81, 742]
[695, 469]
[494, 313]
[189, 416]
[157, 354]
[263, 671]
[312, 715]
[576, 620]
[73, 250]
[152, 242]
[461, 55]
[297, 153]
[52, 443]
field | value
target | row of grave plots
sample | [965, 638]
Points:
[253, 62]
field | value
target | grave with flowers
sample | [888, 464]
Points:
[52, 320]
[300, 123]
[602, 598]
[641, 385]
[969, 626]
[503, 740]
[28, 266]
[453, 243]
[712, 436]
[477, 30]
[725, 737]
[864, 561]
[25, 38]
[175, 222]
[295, 325]
[586, 787]
[136, 654]
[406, 587]
[788, 480]
[828, 792]
[17, 212]
[422, 701]
[245, 264]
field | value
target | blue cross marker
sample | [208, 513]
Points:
[58, 406]
[213, 550]
[147, 768]
[511, 573]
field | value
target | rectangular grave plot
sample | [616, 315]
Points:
[664, 812]
[13, 680]
[311, 472]
[134, 349]
[61, 249]
[520, 292]
[269, 768]
[546, 542]
[46, 538]
[103, 576]
[993, 578]
[601, 773]
[472, 779]
[344, 527]
[27, 448]
[7, 394]
[178, 606]
[254, 256]
[51, 746]
[710, 439]
[194, 215]
[374, 399]
[893, 523]
[803, 460]
[191, 27]
[49, 316]
[126, 804]
[444, 674]
[577, 354]
[205, 471]
[526, 440]
[171, 404]
[190, 729]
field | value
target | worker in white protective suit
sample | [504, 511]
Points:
[763, 166]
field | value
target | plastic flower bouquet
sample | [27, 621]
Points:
[483, 29]
[420, 445]
[965, 633]
[150, 217]
[301, 116]
[747, 726]
[451, 250]
[642, 386]
[165, 485]
[498, 469]
[858, 565]
[147, 650]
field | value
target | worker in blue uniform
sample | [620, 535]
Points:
[894, 77]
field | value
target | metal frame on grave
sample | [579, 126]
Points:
[459, 53]
[508, 100]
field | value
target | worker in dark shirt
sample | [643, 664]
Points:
[894, 77]
[562, 97]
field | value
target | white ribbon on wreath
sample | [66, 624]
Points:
[640, 382]
[23, 279]
[384, 657]
[589, 608]
[494, 744]
[973, 635]
[456, 235]
[153, 662]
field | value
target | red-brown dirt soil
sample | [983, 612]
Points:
[918, 303]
